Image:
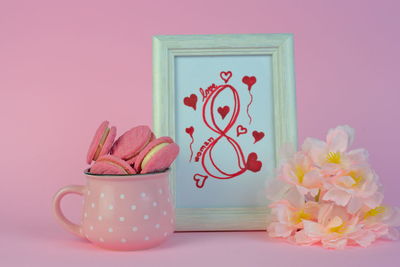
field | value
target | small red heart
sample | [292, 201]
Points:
[240, 130]
[225, 76]
[258, 136]
[200, 180]
[190, 101]
[223, 111]
[190, 130]
[252, 163]
[250, 81]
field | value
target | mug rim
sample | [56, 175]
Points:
[123, 176]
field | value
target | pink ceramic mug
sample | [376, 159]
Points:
[122, 212]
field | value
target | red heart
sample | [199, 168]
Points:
[191, 101]
[252, 163]
[258, 136]
[190, 130]
[223, 111]
[250, 81]
[240, 130]
[200, 180]
[225, 75]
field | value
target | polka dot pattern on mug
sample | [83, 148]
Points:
[128, 216]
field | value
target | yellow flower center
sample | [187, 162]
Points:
[299, 172]
[336, 225]
[333, 157]
[356, 177]
[316, 198]
[338, 229]
[374, 212]
[301, 215]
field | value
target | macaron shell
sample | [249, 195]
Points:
[162, 159]
[104, 167]
[110, 164]
[109, 142]
[132, 160]
[132, 142]
[95, 141]
[150, 146]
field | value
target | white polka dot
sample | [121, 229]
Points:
[121, 219]
[146, 217]
[143, 194]
[110, 207]
[133, 207]
[85, 215]
[168, 199]
[88, 192]
[164, 212]
[146, 238]
[160, 191]
[91, 228]
[165, 234]
[101, 239]
[100, 218]
[134, 229]
[102, 195]
[123, 240]
[155, 204]
[122, 196]
[93, 205]
[157, 225]
[110, 230]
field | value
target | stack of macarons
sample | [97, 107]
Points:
[137, 151]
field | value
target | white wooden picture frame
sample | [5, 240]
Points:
[202, 65]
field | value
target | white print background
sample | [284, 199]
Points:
[248, 189]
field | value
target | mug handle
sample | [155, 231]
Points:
[67, 224]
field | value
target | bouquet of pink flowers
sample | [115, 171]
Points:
[327, 195]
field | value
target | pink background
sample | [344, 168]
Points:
[67, 65]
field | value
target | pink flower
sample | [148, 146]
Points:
[287, 215]
[300, 172]
[382, 221]
[334, 150]
[354, 188]
[328, 195]
[335, 228]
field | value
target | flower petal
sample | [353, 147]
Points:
[312, 179]
[340, 138]
[355, 204]
[338, 243]
[313, 229]
[364, 238]
[346, 181]
[358, 156]
[276, 229]
[338, 196]
[302, 238]
[316, 150]
[374, 201]
[276, 189]
[393, 234]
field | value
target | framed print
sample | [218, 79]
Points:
[229, 103]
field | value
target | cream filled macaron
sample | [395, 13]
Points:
[158, 155]
[101, 142]
[129, 145]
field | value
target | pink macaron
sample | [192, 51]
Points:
[101, 142]
[110, 164]
[129, 145]
[158, 155]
